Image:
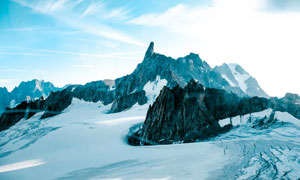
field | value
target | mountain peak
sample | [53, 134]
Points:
[150, 50]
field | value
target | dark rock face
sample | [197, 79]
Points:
[192, 113]
[57, 102]
[94, 92]
[24, 110]
[127, 101]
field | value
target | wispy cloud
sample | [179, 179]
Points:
[6, 80]
[119, 13]
[11, 69]
[23, 53]
[66, 12]
[93, 9]
[22, 29]
[48, 52]
[286, 5]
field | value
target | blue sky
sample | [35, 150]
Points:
[76, 41]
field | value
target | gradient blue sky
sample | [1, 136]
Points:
[77, 41]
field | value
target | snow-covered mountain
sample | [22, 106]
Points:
[128, 90]
[26, 90]
[84, 142]
[81, 132]
[236, 76]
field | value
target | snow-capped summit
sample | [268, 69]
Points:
[236, 76]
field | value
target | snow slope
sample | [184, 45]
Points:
[153, 88]
[86, 143]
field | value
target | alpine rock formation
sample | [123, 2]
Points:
[191, 113]
[134, 88]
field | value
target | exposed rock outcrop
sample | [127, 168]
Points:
[24, 110]
[125, 102]
[192, 113]
[57, 102]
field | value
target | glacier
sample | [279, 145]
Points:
[85, 142]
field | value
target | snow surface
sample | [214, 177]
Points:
[153, 88]
[240, 78]
[86, 143]
[239, 120]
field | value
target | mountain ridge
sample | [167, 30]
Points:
[128, 90]
[24, 91]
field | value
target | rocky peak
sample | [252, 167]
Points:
[3, 90]
[150, 50]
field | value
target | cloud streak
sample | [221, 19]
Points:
[10, 69]
[65, 12]
[48, 52]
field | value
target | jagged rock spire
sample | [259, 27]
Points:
[150, 50]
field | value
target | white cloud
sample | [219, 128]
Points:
[48, 52]
[93, 9]
[65, 12]
[265, 43]
[119, 13]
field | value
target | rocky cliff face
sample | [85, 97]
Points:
[192, 113]
[23, 110]
[127, 101]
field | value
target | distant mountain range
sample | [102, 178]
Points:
[25, 91]
[141, 86]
